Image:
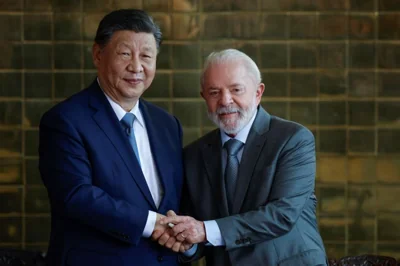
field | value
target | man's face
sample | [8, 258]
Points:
[126, 65]
[231, 94]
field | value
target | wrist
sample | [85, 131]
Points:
[204, 232]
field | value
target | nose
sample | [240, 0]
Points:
[135, 65]
[226, 98]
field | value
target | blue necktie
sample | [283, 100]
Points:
[232, 147]
[127, 122]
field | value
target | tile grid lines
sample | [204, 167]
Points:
[318, 139]
[347, 121]
[82, 61]
[376, 22]
[23, 221]
[289, 84]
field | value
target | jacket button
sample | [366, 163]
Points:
[160, 258]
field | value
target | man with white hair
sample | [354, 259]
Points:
[249, 185]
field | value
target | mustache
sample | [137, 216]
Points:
[224, 110]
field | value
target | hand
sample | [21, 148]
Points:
[158, 228]
[164, 235]
[176, 246]
[186, 228]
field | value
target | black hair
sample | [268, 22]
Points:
[126, 19]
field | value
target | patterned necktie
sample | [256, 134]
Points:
[127, 123]
[232, 147]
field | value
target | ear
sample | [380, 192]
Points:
[202, 94]
[96, 54]
[259, 92]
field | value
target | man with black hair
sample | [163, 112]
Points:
[112, 162]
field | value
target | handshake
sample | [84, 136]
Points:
[178, 233]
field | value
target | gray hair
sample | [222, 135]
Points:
[230, 55]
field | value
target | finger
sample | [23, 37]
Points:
[171, 213]
[177, 246]
[184, 247]
[156, 234]
[179, 228]
[171, 241]
[163, 239]
[180, 237]
[173, 219]
[187, 246]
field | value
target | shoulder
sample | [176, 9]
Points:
[159, 117]
[288, 129]
[211, 138]
[74, 106]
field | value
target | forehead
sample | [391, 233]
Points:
[133, 39]
[226, 73]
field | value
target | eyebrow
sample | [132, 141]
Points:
[235, 85]
[213, 88]
[146, 48]
[125, 44]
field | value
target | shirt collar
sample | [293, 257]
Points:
[120, 112]
[242, 134]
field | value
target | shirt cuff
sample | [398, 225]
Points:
[213, 234]
[190, 252]
[150, 224]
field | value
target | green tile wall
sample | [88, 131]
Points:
[332, 65]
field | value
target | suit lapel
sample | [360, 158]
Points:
[212, 152]
[108, 122]
[254, 144]
[158, 150]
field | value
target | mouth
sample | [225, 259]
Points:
[227, 114]
[133, 81]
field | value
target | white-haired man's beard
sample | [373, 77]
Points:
[232, 126]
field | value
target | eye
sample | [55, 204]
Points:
[237, 90]
[146, 56]
[126, 53]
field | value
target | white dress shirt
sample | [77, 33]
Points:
[146, 158]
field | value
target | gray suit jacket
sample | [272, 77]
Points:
[273, 221]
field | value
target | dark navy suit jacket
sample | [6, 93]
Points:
[98, 194]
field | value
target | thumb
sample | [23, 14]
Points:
[171, 213]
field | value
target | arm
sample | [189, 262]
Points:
[171, 239]
[293, 186]
[66, 171]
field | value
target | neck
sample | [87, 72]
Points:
[126, 104]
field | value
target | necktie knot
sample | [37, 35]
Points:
[233, 146]
[127, 122]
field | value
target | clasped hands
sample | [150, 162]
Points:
[178, 233]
